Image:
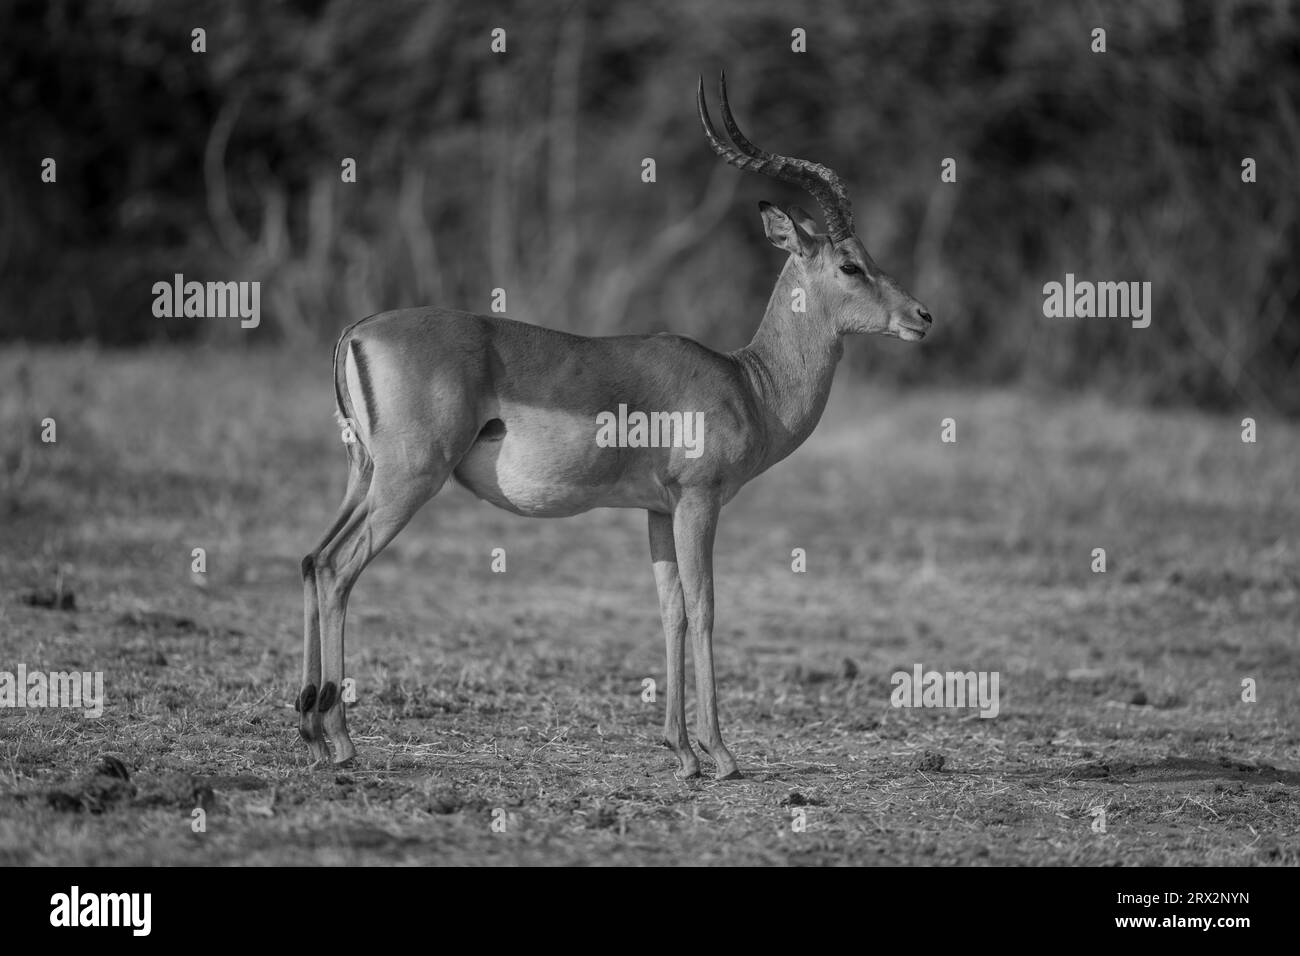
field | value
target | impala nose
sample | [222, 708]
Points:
[924, 316]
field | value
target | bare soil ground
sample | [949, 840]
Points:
[521, 692]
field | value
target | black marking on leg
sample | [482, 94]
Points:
[308, 566]
[329, 694]
[494, 429]
[306, 699]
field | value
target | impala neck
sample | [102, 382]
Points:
[790, 365]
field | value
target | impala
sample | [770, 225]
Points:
[510, 410]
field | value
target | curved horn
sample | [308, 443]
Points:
[817, 180]
[729, 121]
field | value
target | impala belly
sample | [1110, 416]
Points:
[546, 464]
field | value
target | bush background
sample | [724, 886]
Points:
[522, 171]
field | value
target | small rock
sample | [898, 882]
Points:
[110, 766]
[929, 760]
[797, 799]
[60, 600]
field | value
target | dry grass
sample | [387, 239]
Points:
[522, 691]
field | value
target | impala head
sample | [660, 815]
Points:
[834, 267]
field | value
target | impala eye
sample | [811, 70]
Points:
[849, 269]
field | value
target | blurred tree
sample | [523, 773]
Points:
[521, 170]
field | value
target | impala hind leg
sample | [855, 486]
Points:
[309, 717]
[672, 608]
[389, 503]
[695, 520]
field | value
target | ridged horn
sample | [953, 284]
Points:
[817, 180]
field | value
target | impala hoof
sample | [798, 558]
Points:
[320, 754]
[343, 749]
[723, 761]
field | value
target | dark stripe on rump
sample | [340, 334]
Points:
[367, 388]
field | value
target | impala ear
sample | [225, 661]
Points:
[784, 233]
[806, 222]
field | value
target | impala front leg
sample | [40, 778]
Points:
[672, 608]
[694, 522]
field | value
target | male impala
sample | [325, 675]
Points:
[510, 410]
